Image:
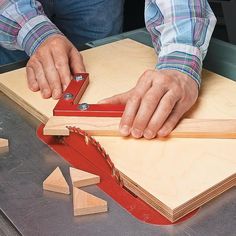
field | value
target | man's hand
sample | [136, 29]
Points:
[50, 68]
[156, 104]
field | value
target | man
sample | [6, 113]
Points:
[180, 31]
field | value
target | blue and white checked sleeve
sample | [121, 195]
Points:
[23, 25]
[181, 32]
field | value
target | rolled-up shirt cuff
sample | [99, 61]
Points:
[34, 32]
[182, 57]
[186, 63]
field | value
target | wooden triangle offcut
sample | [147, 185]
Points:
[81, 178]
[85, 203]
[3, 143]
[56, 182]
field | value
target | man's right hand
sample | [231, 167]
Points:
[51, 67]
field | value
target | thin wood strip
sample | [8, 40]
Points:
[109, 126]
[102, 126]
[205, 128]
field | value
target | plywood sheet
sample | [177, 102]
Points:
[174, 176]
[107, 77]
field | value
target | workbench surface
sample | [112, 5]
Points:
[32, 211]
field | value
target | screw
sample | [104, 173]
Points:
[68, 96]
[79, 77]
[83, 106]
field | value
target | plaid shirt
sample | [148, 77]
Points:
[23, 25]
[180, 30]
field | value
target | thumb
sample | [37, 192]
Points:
[117, 99]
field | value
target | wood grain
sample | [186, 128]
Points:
[56, 182]
[174, 176]
[109, 126]
[100, 66]
[105, 126]
[81, 178]
[205, 128]
[85, 203]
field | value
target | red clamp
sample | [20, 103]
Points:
[68, 104]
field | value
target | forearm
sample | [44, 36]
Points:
[181, 31]
[23, 25]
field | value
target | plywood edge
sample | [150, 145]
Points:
[230, 180]
[23, 104]
[155, 203]
[204, 197]
[175, 214]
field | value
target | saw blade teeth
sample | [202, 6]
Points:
[89, 139]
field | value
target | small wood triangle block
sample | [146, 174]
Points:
[56, 182]
[85, 203]
[3, 143]
[81, 178]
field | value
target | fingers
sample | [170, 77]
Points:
[38, 71]
[49, 69]
[148, 106]
[159, 117]
[62, 67]
[31, 79]
[52, 74]
[76, 61]
[156, 104]
[129, 114]
[134, 99]
[172, 121]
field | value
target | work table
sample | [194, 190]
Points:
[34, 212]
